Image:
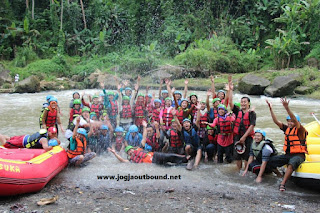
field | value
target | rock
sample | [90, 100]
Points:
[313, 62]
[253, 85]
[28, 85]
[48, 85]
[4, 76]
[94, 80]
[281, 86]
[303, 90]
[76, 78]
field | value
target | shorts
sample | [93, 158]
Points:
[15, 142]
[280, 160]
[176, 150]
[193, 150]
[245, 155]
[164, 158]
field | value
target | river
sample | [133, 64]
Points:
[20, 115]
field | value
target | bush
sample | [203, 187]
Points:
[24, 56]
[47, 67]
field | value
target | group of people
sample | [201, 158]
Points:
[172, 128]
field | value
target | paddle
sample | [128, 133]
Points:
[315, 117]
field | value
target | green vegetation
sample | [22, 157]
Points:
[62, 38]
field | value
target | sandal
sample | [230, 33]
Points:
[282, 187]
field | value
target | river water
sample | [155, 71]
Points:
[19, 115]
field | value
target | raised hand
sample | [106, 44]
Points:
[136, 87]
[285, 102]
[212, 78]
[156, 125]
[144, 123]
[174, 112]
[173, 90]
[119, 86]
[186, 82]
[269, 104]
[111, 150]
[209, 92]
[231, 86]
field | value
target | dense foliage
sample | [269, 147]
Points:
[124, 35]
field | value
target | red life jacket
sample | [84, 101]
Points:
[155, 115]
[74, 112]
[193, 111]
[167, 116]
[119, 142]
[139, 111]
[175, 140]
[51, 118]
[163, 103]
[149, 108]
[138, 156]
[293, 141]
[246, 123]
[179, 114]
[95, 108]
[114, 108]
[80, 148]
[212, 139]
[126, 111]
[225, 126]
[153, 142]
[203, 118]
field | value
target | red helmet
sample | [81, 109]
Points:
[52, 130]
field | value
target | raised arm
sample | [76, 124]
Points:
[144, 134]
[293, 118]
[198, 116]
[207, 100]
[185, 91]
[118, 156]
[160, 87]
[168, 83]
[213, 89]
[179, 127]
[274, 118]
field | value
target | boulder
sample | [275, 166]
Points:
[4, 76]
[313, 62]
[253, 85]
[304, 90]
[94, 80]
[28, 85]
[77, 78]
[281, 86]
[48, 85]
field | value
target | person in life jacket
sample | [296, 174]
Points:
[163, 94]
[213, 112]
[224, 123]
[101, 138]
[138, 155]
[133, 137]
[50, 116]
[191, 141]
[37, 140]
[118, 139]
[95, 106]
[77, 152]
[140, 111]
[210, 145]
[150, 137]
[201, 119]
[295, 146]
[156, 111]
[111, 106]
[243, 128]
[166, 114]
[76, 110]
[175, 144]
[126, 112]
[176, 94]
[261, 151]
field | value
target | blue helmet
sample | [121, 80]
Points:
[157, 101]
[297, 117]
[119, 129]
[164, 91]
[82, 131]
[149, 95]
[48, 97]
[133, 128]
[221, 91]
[127, 88]
[104, 127]
[178, 92]
[53, 142]
[263, 133]
[186, 119]
[53, 99]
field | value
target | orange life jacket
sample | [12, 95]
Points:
[80, 148]
[245, 121]
[179, 114]
[138, 156]
[293, 142]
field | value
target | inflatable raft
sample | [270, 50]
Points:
[309, 171]
[29, 170]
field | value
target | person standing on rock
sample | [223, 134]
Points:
[295, 146]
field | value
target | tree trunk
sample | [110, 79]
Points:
[83, 15]
[32, 11]
[61, 17]
[27, 4]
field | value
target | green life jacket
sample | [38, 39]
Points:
[257, 148]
